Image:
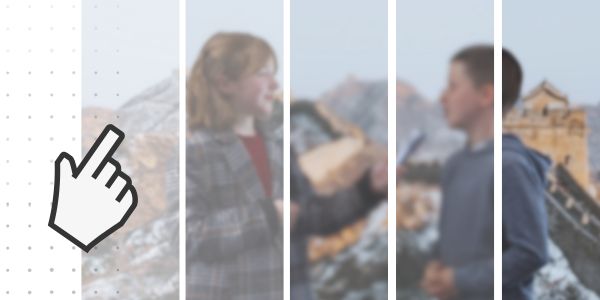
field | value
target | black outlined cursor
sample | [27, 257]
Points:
[94, 199]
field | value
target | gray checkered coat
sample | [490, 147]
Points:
[234, 236]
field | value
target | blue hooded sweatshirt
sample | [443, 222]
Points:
[524, 218]
[466, 226]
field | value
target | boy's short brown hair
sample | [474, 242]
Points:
[512, 78]
[479, 61]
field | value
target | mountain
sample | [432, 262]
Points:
[140, 260]
[414, 112]
[155, 110]
[557, 281]
[356, 264]
[363, 103]
[358, 271]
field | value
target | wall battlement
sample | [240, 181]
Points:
[546, 122]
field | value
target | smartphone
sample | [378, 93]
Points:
[415, 139]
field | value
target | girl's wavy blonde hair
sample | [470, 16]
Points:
[231, 56]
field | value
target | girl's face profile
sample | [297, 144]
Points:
[254, 94]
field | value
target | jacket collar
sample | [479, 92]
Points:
[264, 128]
[239, 161]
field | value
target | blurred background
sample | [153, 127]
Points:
[339, 128]
[263, 18]
[426, 40]
[130, 79]
[339, 90]
[559, 115]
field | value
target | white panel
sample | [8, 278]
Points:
[40, 102]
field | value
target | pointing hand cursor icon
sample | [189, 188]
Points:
[94, 199]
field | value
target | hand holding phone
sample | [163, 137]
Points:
[415, 140]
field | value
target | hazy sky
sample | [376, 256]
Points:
[558, 41]
[429, 32]
[333, 39]
[328, 43]
[136, 38]
[263, 18]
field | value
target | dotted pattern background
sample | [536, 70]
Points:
[40, 116]
[119, 50]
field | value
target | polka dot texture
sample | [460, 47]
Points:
[40, 96]
[140, 260]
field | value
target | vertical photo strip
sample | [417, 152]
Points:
[445, 140]
[338, 144]
[550, 151]
[234, 150]
[130, 79]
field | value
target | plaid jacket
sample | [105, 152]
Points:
[234, 236]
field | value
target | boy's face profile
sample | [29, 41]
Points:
[463, 100]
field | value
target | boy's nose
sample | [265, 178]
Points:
[444, 97]
[274, 85]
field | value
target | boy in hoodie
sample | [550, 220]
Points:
[524, 218]
[462, 263]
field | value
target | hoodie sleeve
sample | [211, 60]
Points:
[476, 278]
[525, 229]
